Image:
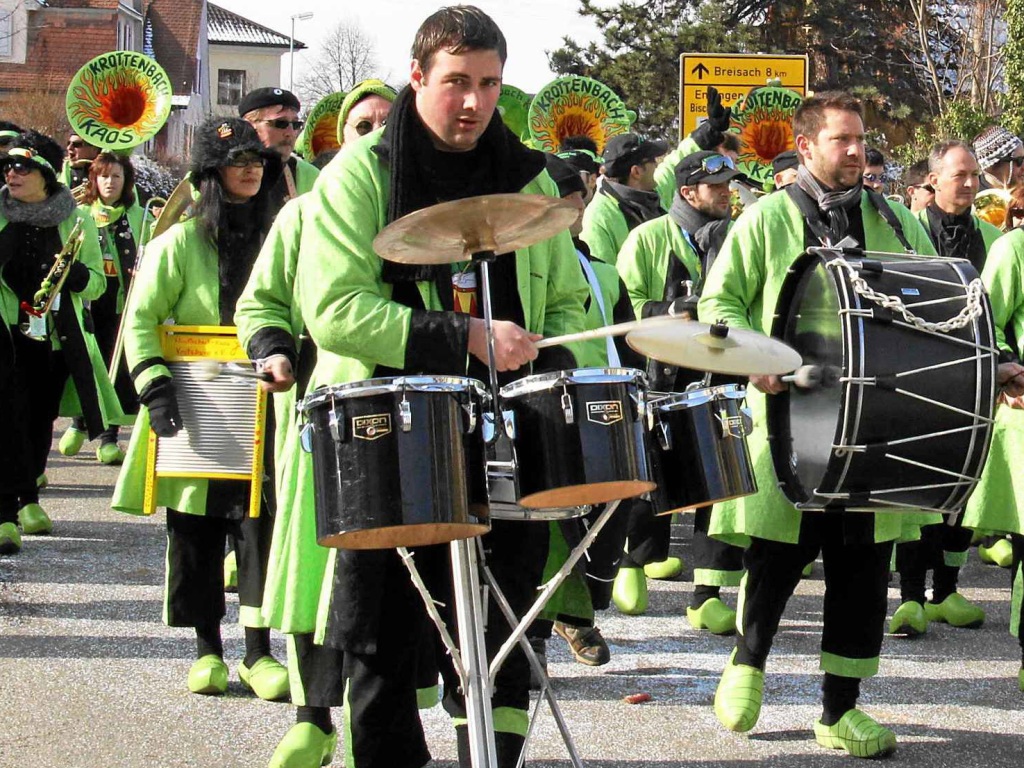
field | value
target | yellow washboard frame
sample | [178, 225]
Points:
[190, 343]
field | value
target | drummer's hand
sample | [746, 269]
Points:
[770, 385]
[513, 346]
[280, 367]
[1010, 376]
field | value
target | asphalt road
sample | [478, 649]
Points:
[91, 677]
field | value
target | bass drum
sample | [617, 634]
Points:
[398, 462]
[901, 414]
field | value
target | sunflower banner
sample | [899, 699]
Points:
[577, 106]
[321, 131]
[119, 100]
[514, 107]
[763, 119]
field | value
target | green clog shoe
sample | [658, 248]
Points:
[10, 539]
[957, 611]
[268, 678]
[1020, 679]
[34, 521]
[738, 697]
[305, 746]
[858, 734]
[714, 616]
[1000, 553]
[71, 441]
[110, 454]
[629, 591]
[909, 620]
[42, 481]
[208, 676]
[669, 568]
[230, 572]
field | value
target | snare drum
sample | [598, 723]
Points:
[578, 436]
[397, 462]
[699, 448]
[902, 416]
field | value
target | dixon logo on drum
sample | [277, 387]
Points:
[371, 427]
[732, 426]
[604, 412]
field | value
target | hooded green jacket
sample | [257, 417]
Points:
[742, 288]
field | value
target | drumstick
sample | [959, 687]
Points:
[620, 329]
[805, 377]
[208, 370]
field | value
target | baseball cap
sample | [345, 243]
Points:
[706, 168]
[624, 151]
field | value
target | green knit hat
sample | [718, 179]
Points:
[358, 92]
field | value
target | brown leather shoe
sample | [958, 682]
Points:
[586, 644]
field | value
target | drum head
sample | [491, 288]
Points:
[803, 423]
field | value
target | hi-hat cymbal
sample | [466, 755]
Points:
[715, 348]
[449, 232]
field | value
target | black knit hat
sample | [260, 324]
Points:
[41, 151]
[565, 176]
[267, 97]
[220, 139]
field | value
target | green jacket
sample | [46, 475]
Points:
[665, 173]
[305, 175]
[742, 288]
[997, 504]
[140, 233]
[989, 232]
[88, 369]
[178, 280]
[604, 228]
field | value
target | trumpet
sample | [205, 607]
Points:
[80, 192]
[992, 206]
[49, 290]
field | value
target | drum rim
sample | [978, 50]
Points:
[670, 401]
[391, 385]
[540, 382]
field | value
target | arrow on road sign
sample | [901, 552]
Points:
[700, 70]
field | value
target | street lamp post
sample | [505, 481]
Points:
[291, 47]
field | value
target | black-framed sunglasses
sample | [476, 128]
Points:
[76, 143]
[19, 169]
[364, 127]
[281, 123]
[247, 160]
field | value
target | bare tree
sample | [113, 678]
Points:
[345, 57]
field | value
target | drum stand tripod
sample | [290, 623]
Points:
[470, 657]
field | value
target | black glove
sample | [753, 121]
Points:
[159, 398]
[711, 132]
[78, 277]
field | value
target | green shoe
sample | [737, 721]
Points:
[1020, 679]
[713, 615]
[208, 676]
[957, 611]
[1000, 553]
[110, 454]
[858, 734]
[230, 572]
[629, 591]
[738, 697]
[808, 570]
[71, 441]
[910, 620]
[305, 746]
[268, 678]
[668, 568]
[42, 481]
[34, 521]
[10, 539]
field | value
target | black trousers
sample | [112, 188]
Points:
[30, 394]
[1017, 593]
[647, 535]
[715, 563]
[195, 565]
[942, 549]
[856, 582]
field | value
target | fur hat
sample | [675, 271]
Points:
[566, 178]
[220, 139]
[993, 145]
[40, 151]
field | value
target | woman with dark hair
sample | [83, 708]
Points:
[37, 216]
[193, 274]
[110, 200]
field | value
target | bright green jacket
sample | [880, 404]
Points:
[305, 175]
[140, 233]
[665, 173]
[604, 228]
[742, 288]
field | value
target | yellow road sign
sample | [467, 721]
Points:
[733, 74]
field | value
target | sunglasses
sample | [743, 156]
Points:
[247, 160]
[713, 164]
[19, 169]
[1018, 161]
[363, 127]
[281, 123]
[874, 177]
[76, 143]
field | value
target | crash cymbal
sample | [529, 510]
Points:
[715, 348]
[450, 232]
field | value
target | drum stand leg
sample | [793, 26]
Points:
[520, 626]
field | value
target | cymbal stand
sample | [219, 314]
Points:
[483, 258]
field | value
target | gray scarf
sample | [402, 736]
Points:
[708, 234]
[833, 203]
[48, 213]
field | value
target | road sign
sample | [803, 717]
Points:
[733, 74]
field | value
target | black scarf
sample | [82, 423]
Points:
[421, 175]
[707, 233]
[956, 236]
[239, 238]
[636, 205]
